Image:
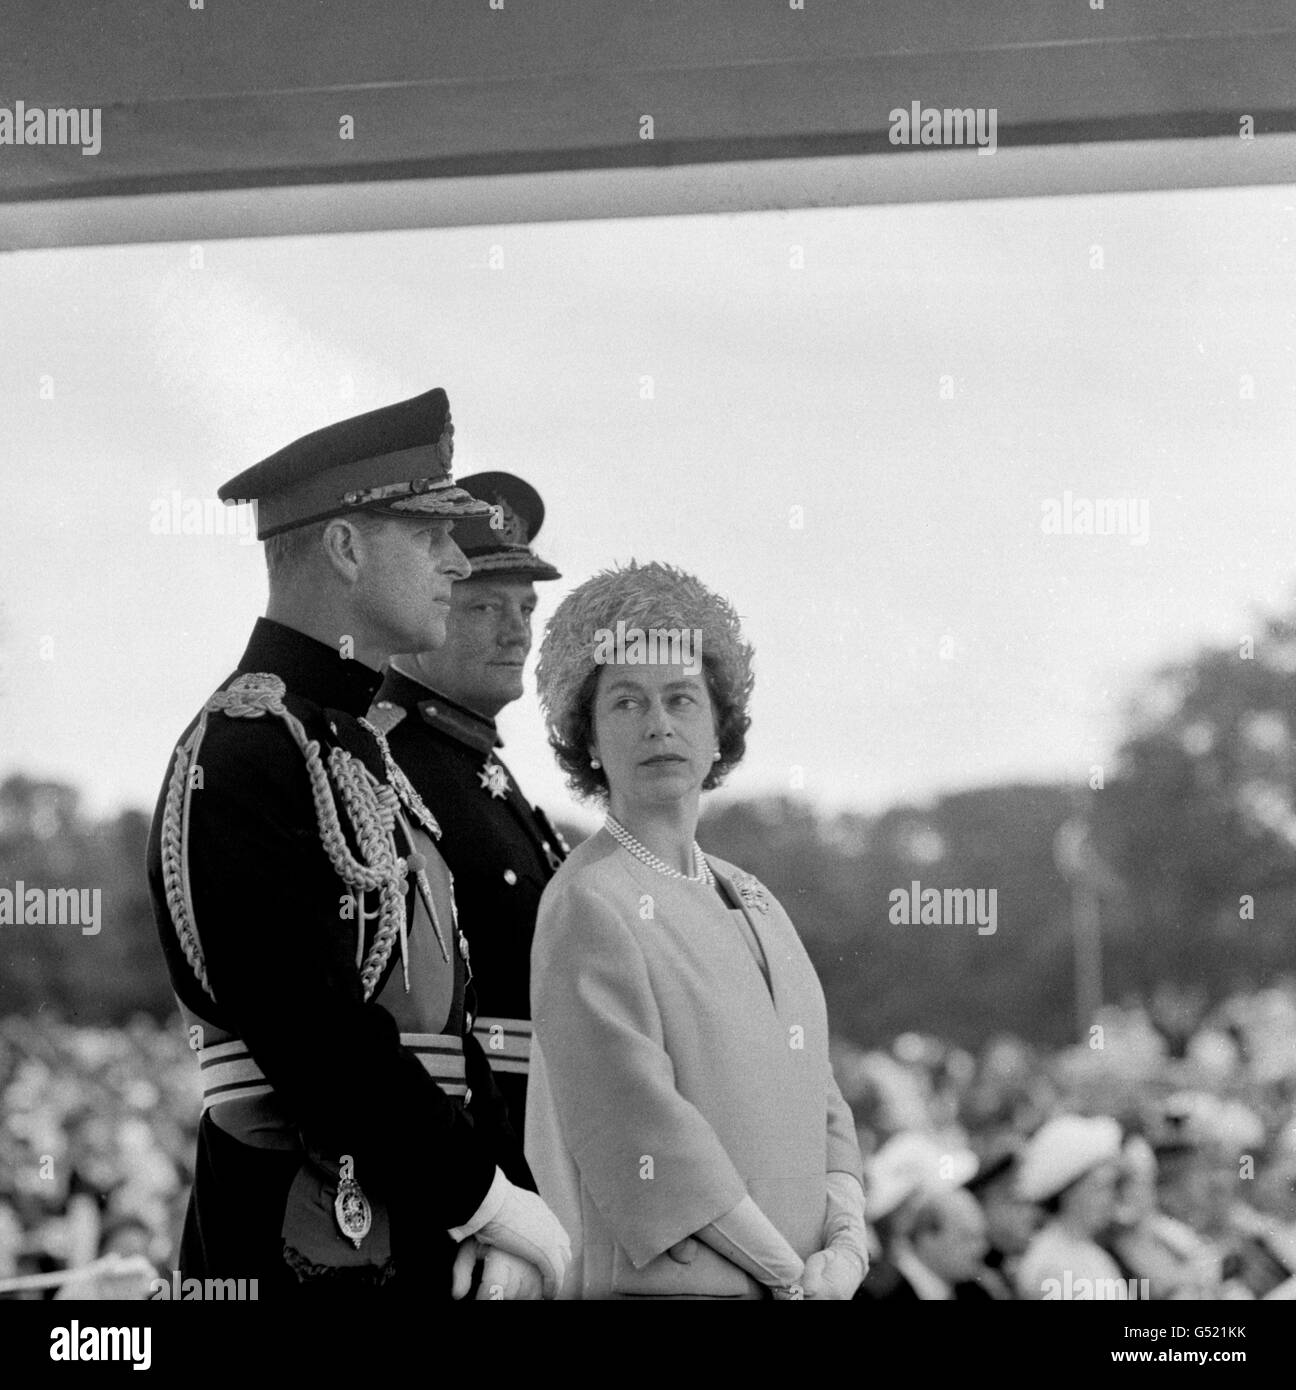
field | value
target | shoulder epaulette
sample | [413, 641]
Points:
[385, 715]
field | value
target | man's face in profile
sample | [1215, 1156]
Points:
[488, 639]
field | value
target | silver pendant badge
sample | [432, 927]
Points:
[351, 1206]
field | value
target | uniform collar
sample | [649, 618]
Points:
[441, 712]
[310, 668]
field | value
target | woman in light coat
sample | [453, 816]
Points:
[682, 1118]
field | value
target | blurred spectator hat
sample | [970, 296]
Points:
[908, 1164]
[1064, 1149]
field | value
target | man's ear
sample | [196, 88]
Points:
[344, 547]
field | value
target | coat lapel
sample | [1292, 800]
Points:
[757, 921]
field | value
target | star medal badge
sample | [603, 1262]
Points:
[753, 893]
[351, 1206]
[494, 779]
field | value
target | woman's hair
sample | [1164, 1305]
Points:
[643, 597]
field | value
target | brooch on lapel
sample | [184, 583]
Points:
[494, 779]
[752, 892]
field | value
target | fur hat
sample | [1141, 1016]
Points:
[644, 597]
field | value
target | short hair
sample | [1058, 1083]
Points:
[289, 550]
[640, 596]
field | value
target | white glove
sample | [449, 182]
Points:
[504, 1277]
[518, 1222]
[509, 1278]
[831, 1274]
[465, 1261]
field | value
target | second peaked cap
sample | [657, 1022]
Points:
[501, 543]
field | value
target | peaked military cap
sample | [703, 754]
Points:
[394, 460]
[501, 542]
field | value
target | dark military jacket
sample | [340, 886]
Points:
[265, 942]
[500, 849]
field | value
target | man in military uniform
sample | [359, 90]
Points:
[438, 709]
[352, 1137]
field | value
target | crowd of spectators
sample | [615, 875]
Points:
[97, 1129]
[1143, 1163]
[1156, 1160]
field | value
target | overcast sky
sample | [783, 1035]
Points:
[921, 381]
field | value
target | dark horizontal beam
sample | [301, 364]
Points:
[571, 195]
[247, 96]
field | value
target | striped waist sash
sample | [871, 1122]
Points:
[230, 1072]
[442, 1056]
[506, 1042]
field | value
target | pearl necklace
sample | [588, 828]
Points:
[645, 856]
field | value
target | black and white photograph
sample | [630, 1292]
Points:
[647, 654]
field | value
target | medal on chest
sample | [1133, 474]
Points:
[350, 1206]
[494, 779]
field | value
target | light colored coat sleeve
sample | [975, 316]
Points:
[843, 1144]
[647, 1158]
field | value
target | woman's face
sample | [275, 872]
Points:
[654, 733]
